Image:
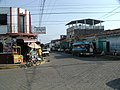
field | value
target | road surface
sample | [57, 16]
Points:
[64, 72]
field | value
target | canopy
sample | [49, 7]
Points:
[86, 21]
[79, 43]
[34, 45]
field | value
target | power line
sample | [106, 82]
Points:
[76, 5]
[112, 11]
[41, 9]
[63, 8]
[59, 13]
[51, 9]
[63, 22]
[48, 5]
[28, 3]
[73, 13]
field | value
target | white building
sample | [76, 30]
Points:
[14, 20]
[15, 24]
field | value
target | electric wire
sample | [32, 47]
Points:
[27, 3]
[105, 16]
[42, 10]
[108, 14]
[76, 5]
[53, 5]
[95, 12]
[47, 7]
[89, 12]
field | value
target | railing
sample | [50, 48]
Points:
[6, 29]
[85, 27]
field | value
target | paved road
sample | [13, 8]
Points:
[64, 72]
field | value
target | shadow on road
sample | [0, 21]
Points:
[115, 84]
[30, 76]
[61, 55]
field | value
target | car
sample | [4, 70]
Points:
[60, 50]
[45, 52]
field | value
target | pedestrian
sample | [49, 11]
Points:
[33, 53]
[39, 53]
[115, 52]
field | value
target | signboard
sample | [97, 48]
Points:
[39, 30]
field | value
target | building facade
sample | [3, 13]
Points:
[79, 28]
[107, 41]
[15, 27]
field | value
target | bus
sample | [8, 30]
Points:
[82, 48]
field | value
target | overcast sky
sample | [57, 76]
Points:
[57, 13]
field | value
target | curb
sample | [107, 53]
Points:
[110, 57]
[42, 62]
[13, 66]
[8, 66]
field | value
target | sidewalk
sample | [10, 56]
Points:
[109, 57]
[13, 66]
[9, 66]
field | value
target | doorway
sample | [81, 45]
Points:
[1, 47]
[108, 46]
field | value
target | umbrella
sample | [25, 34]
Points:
[34, 45]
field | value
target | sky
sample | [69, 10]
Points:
[57, 13]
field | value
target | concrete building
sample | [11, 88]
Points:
[107, 41]
[55, 44]
[15, 27]
[83, 27]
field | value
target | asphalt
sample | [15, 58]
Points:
[13, 66]
[64, 72]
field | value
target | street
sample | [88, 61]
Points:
[64, 72]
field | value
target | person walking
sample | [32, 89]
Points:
[39, 52]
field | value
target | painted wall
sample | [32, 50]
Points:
[13, 13]
[4, 28]
[27, 22]
[14, 20]
[114, 43]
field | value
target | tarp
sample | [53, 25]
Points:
[26, 40]
[34, 45]
[79, 43]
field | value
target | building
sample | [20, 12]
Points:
[83, 27]
[55, 44]
[15, 28]
[107, 41]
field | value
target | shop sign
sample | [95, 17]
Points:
[39, 30]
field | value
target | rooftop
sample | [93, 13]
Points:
[86, 21]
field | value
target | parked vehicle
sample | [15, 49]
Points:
[82, 48]
[16, 52]
[33, 60]
[60, 50]
[45, 52]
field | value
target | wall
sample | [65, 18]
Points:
[14, 20]
[27, 22]
[114, 43]
[13, 14]
[4, 28]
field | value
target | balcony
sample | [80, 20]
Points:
[85, 28]
[5, 29]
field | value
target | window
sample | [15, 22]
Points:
[3, 19]
[22, 24]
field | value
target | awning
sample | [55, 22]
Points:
[34, 45]
[26, 40]
[86, 21]
[29, 40]
[79, 43]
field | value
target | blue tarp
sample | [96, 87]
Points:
[78, 43]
